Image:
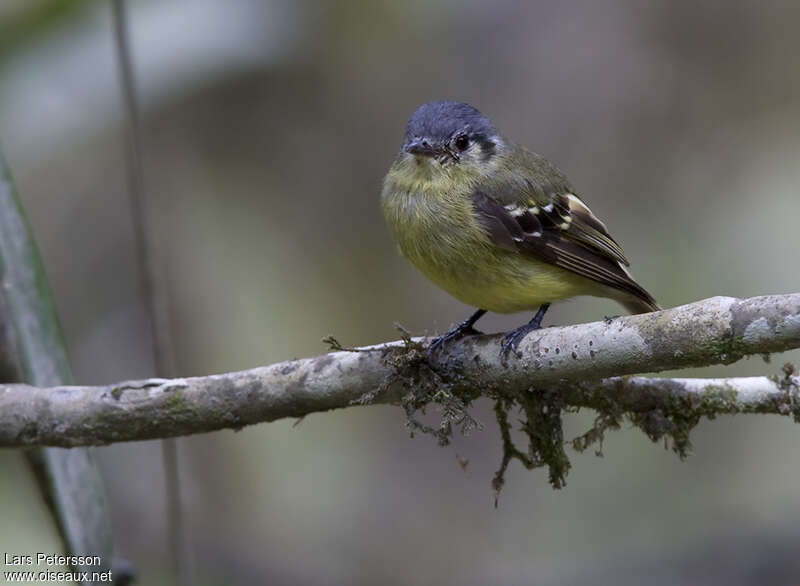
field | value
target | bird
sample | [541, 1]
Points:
[495, 225]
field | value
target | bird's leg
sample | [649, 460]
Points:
[463, 329]
[513, 338]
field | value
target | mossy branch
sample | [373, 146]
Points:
[575, 360]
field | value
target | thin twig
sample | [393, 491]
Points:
[153, 287]
[69, 416]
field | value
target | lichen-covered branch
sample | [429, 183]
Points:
[574, 360]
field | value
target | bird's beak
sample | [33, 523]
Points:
[422, 147]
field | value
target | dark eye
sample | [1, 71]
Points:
[461, 142]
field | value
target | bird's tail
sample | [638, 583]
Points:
[636, 304]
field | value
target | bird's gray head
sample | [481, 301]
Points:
[451, 133]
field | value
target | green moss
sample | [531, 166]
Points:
[542, 427]
[788, 384]
[730, 349]
[539, 412]
[423, 385]
[175, 404]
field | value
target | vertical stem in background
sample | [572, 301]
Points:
[153, 287]
[70, 479]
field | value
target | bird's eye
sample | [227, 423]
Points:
[461, 142]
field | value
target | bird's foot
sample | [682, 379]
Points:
[461, 330]
[514, 337]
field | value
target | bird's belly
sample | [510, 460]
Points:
[496, 280]
[446, 243]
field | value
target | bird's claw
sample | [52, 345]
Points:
[512, 339]
[457, 332]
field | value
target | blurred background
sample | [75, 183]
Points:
[267, 128]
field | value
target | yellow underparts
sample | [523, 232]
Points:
[435, 226]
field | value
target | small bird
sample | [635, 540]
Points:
[498, 227]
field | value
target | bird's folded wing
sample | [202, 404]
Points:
[557, 228]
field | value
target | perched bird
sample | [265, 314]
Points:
[495, 225]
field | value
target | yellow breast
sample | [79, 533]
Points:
[436, 228]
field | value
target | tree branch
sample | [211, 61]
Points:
[573, 360]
